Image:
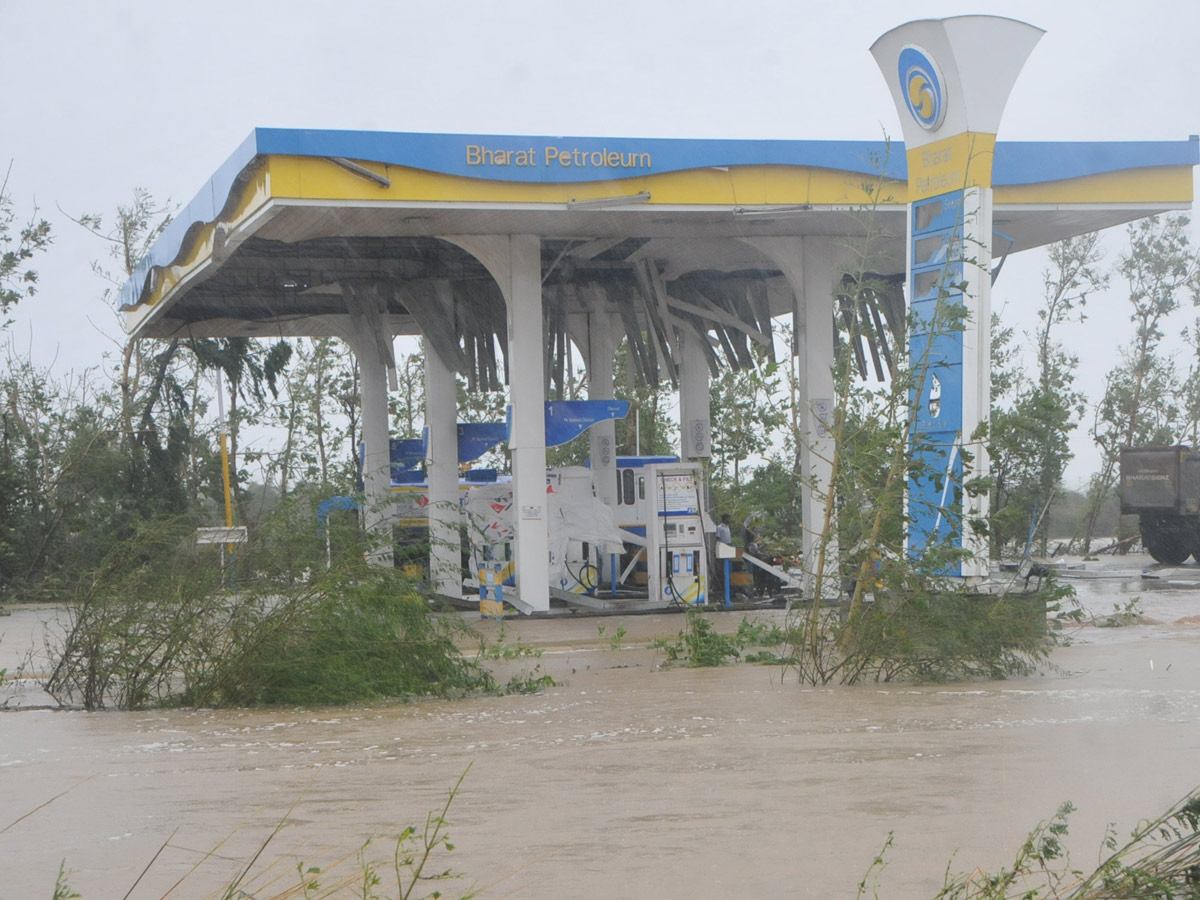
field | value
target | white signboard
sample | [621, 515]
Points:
[221, 535]
[676, 494]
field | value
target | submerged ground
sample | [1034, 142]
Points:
[627, 779]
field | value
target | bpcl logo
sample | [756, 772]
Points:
[923, 87]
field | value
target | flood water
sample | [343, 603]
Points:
[628, 779]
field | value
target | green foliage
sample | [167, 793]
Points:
[700, 645]
[62, 888]
[529, 682]
[318, 448]
[744, 415]
[251, 369]
[85, 459]
[410, 869]
[901, 617]
[648, 419]
[1067, 516]
[929, 630]
[878, 456]
[1159, 861]
[1123, 614]
[134, 228]
[154, 625]
[407, 406]
[1140, 405]
[774, 489]
[361, 636]
[1029, 452]
[953, 636]
[156, 401]
[767, 635]
[61, 477]
[501, 648]
[614, 640]
[759, 634]
[132, 619]
[18, 245]
[1032, 419]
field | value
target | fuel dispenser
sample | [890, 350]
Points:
[675, 548]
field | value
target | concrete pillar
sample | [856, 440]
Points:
[603, 333]
[977, 359]
[441, 467]
[812, 266]
[819, 273]
[377, 480]
[695, 412]
[516, 264]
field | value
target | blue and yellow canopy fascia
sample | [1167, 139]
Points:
[299, 165]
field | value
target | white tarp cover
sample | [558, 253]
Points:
[573, 513]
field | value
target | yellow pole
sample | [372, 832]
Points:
[225, 480]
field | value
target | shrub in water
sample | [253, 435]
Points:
[366, 638]
[159, 623]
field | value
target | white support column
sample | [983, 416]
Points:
[695, 406]
[377, 478]
[819, 273]
[515, 262]
[812, 267]
[977, 369]
[602, 334]
[441, 467]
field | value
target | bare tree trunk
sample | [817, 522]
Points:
[126, 387]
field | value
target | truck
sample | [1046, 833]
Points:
[1161, 485]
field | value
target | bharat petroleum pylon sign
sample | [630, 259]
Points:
[950, 80]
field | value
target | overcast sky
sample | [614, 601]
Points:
[100, 97]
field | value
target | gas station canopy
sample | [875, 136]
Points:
[295, 218]
[530, 246]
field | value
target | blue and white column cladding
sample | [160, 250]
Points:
[936, 285]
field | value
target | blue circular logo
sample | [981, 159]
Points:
[923, 88]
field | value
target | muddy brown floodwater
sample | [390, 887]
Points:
[628, 779]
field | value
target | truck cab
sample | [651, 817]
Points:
[1161, 485]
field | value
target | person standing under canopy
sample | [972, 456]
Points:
[724, 535]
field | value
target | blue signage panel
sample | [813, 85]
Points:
[474, 440]
[935, 351]
[567, 419]
[937, 213]
[477, 438]
[407, 453]
[941, 281]
[935, 496]
[938, 377]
